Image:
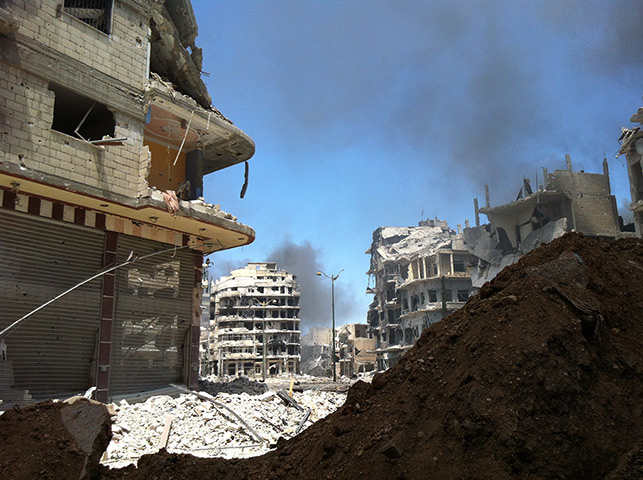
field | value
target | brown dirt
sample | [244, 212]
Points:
[54, 441]
[540, 376]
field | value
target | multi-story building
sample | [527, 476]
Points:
[106, 132]
[420, 275]
[632, 147]
[256, 322]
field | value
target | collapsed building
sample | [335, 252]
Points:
[316, 347]
[256, 322]
[567, 201]
[419, 275]
[106, 133]
[632, 147]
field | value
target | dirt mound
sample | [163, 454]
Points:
[538, 376]
[56, 441]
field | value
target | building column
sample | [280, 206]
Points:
[195, 328]
[107, 318]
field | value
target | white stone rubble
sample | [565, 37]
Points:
[202, 428]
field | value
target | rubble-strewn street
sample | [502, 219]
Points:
[205, 428]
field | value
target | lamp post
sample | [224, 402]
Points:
[332, 296]
[263, 307]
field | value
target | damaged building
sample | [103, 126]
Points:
[417, 275]
[356, 349]
[256, 328]
[566, 201]
[106, 133]
[632, 147]
[316, 346]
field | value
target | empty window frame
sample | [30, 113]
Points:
[79, 116]
[459, 266]
[463, 295]
[95, 13]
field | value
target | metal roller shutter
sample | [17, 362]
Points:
[152, 316]
[52, 353]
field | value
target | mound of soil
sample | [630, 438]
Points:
[538, 376]
[56, 441]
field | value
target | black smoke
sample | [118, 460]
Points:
[304, 260]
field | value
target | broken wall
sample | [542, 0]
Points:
[594, 209]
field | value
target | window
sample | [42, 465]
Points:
[79, 116]
[458, 266]
[463, 295]
[433, 296]
[95, 13]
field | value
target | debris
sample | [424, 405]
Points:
[172, 201]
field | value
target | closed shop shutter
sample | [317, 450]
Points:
[53, 352]
[152, 316]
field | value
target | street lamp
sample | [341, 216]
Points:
[263, 306]
[332, 296]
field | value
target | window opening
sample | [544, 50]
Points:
[95, 13]
[81, 117]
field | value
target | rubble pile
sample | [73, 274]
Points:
[213, 385]
[207, 428]
[538, 376]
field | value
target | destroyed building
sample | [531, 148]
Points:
[106, 133]
[632, 147]
[256, 322]
[356, 349]
[418, 275]
[316, 346]
[566, 201]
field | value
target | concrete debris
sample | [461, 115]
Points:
[213, 385]
[202, 428]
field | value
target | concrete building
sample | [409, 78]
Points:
[356, 349]
[256, 322]
[567, 201]
[106, 132]
[632, 147]
[316, 347]
[418, 276]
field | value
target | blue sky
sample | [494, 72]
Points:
[369, 113]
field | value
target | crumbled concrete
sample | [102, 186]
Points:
[203, 428]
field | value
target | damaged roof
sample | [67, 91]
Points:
[395, 243]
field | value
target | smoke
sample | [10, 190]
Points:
[480, 93]
[304, 261]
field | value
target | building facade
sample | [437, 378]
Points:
[106, 133]
[418, 275]
[632, 147]
[256, 328]
[356, 349]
